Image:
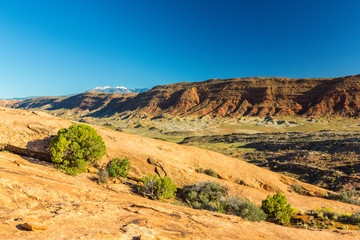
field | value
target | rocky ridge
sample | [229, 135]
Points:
[8, 103]
[261, 96]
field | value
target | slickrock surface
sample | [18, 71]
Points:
[33, 192]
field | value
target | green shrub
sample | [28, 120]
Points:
[75, 146]
[348, 196]
[325, 212]
[208, 171]
[277, 209]
[73, 170]
[244, 209]
[156, 187]
[103, 176]
[204, 195]
[297, 188]
[211, 196]
[118, 168]
[343, 217]
[200, 170]
[211, 173]
[355, 218]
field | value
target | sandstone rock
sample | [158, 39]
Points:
[151, 161]
[32, 226]
[81, 209]
[92, 170]
[38, 128]
[116, 181]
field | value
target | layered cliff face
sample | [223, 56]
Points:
[261, 97]
[225, 98]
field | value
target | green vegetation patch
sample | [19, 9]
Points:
[244, 209]
[212, 196]
[277, 209]
[348, 196]
[327, 218]
[156, 187]
[204, 195]
[208, 172]
[118, 167]
[75, 146]
[298, 189]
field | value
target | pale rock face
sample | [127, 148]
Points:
[67, 207]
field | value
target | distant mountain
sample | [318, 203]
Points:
[235, 97]
[8, 103]
[108, 89]
[31, 97]
[21, 98]
[105, 89]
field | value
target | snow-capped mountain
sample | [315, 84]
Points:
[117, 89]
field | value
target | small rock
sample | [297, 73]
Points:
[38, 128]
[33, 226]
[116, 181]
[91, 170]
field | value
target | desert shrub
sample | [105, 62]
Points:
[354, 218]
[349, 218]
[156, 187]
[211, 173]
[297, 188]
[244, 209]
[208, 171]
[326, 212]
[200, 170]
[118, 168]
[297, 211]
[204, 195]
[103, 176]
[211, 196]
[80, 167]
[348, 196]
[277, 209]
[75, 146]
[343, 217]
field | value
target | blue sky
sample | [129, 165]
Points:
[63, 47]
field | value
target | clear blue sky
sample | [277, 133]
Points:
[54, 47]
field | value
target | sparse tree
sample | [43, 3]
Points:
[75, 146]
